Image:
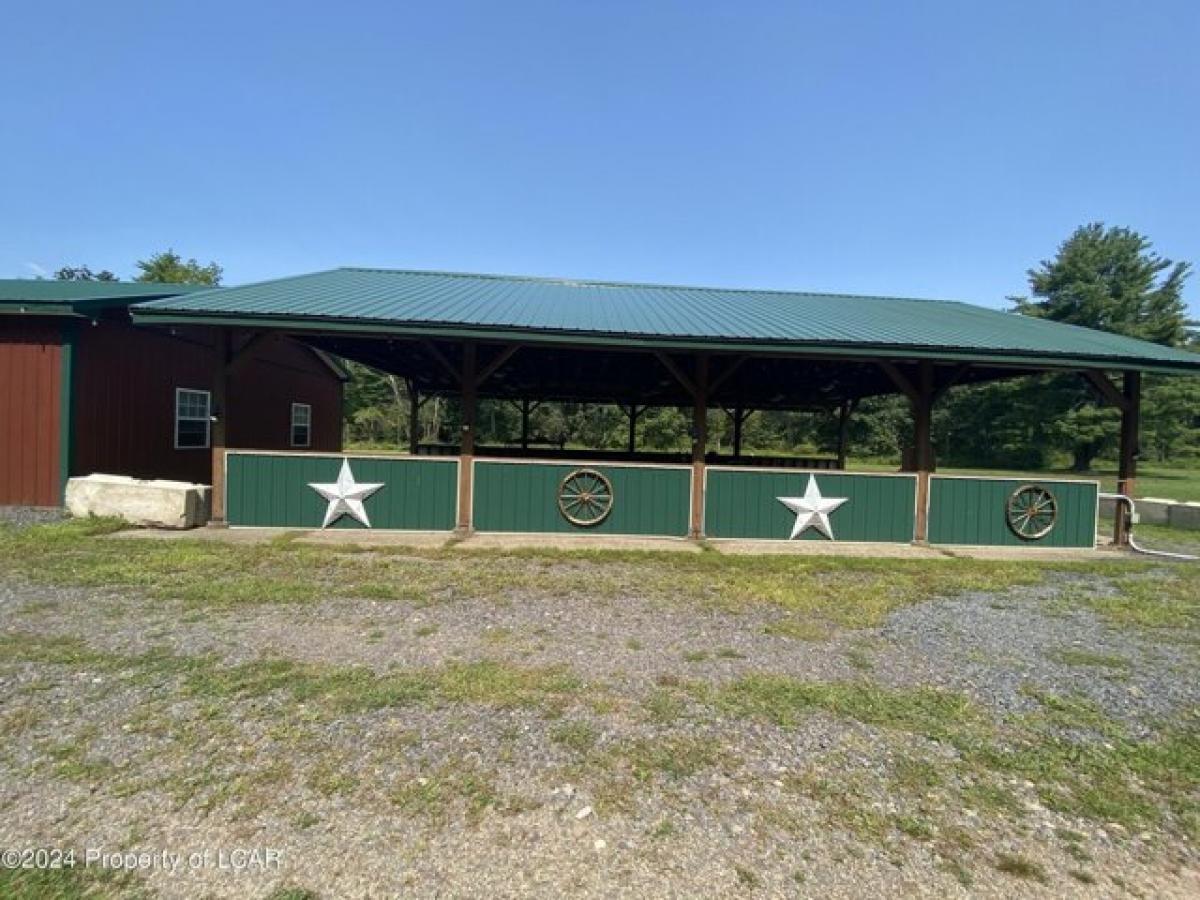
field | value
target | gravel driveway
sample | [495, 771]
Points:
[533, 744]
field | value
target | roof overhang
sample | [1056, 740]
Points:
[315, 325]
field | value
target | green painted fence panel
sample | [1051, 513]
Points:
[523, 497]
[272, 491]
[974, 511]
[743, 503]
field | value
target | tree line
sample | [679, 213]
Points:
[1108, 278]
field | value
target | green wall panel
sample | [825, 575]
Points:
[743, 503]
[269, 490]
[523, 497]
[972, 511]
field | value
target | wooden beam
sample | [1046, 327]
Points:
[678, 373]
[699, 446]
[729, 371]
[497, 361]
[243, 355]
[1105, 388]
[923, 446]
[955, 375]
[440, 358]
[899, 379]
[632, 413]
[218, 428]
[466, 458]
[1131, 414]
[845, 411]
[414, 419]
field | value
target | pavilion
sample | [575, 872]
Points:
[530, 340]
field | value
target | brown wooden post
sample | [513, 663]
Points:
[218, 431]
[466, 455]
[738, 420]
[699, 446]
[414, 419]
[634, 412]
[1127, 463]
[923, 445]
[843, 434]
[524, 424]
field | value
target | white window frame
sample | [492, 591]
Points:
[307, 407]
[206, 418]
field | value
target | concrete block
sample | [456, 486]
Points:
[151, 504]
[1184, 515]
[1153, 510]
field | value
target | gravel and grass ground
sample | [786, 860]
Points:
[453, 722]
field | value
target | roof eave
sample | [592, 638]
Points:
[143, 315]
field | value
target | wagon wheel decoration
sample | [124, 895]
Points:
[585, 498]
[1032, 512]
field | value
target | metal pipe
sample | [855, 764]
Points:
[1122, 498]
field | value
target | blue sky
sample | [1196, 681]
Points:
[918, 149]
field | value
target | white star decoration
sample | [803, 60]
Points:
[345, 497]
[812, 510]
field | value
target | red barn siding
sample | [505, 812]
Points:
[30, 381]
[125, 381]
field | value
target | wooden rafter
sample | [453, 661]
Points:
[1109, 391]
[899, 379]
[440, 358]
[678, 373]
[496, 362]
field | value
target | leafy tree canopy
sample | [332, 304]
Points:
[83, 273]
[1109, 278]
[168, 267]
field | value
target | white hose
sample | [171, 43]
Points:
[1122, 498]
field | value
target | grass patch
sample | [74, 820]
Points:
[1020, 867]
[817, 593]
[451, 787]
[784, 700]
[577, 736]
[673, 757]
[335, 689]
[1074, 656]
[75, 883]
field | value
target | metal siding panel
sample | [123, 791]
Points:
[271, 490]
[30, 380]
[744, 504]
[971, 511]
[522, 497]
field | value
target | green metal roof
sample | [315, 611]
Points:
[45, 296]
[442, 304]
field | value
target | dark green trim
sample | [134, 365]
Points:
[38, 309]
[786, 348]
[66, 405]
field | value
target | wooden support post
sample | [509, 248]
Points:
[843, 437]
[699, 446]
[739, 419]
[1127, 463]
[414, 419]
[634, 412]
[923, 445]
[218, 429]
[525, 424]
[466, 457]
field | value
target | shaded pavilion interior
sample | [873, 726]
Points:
[466, 337]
